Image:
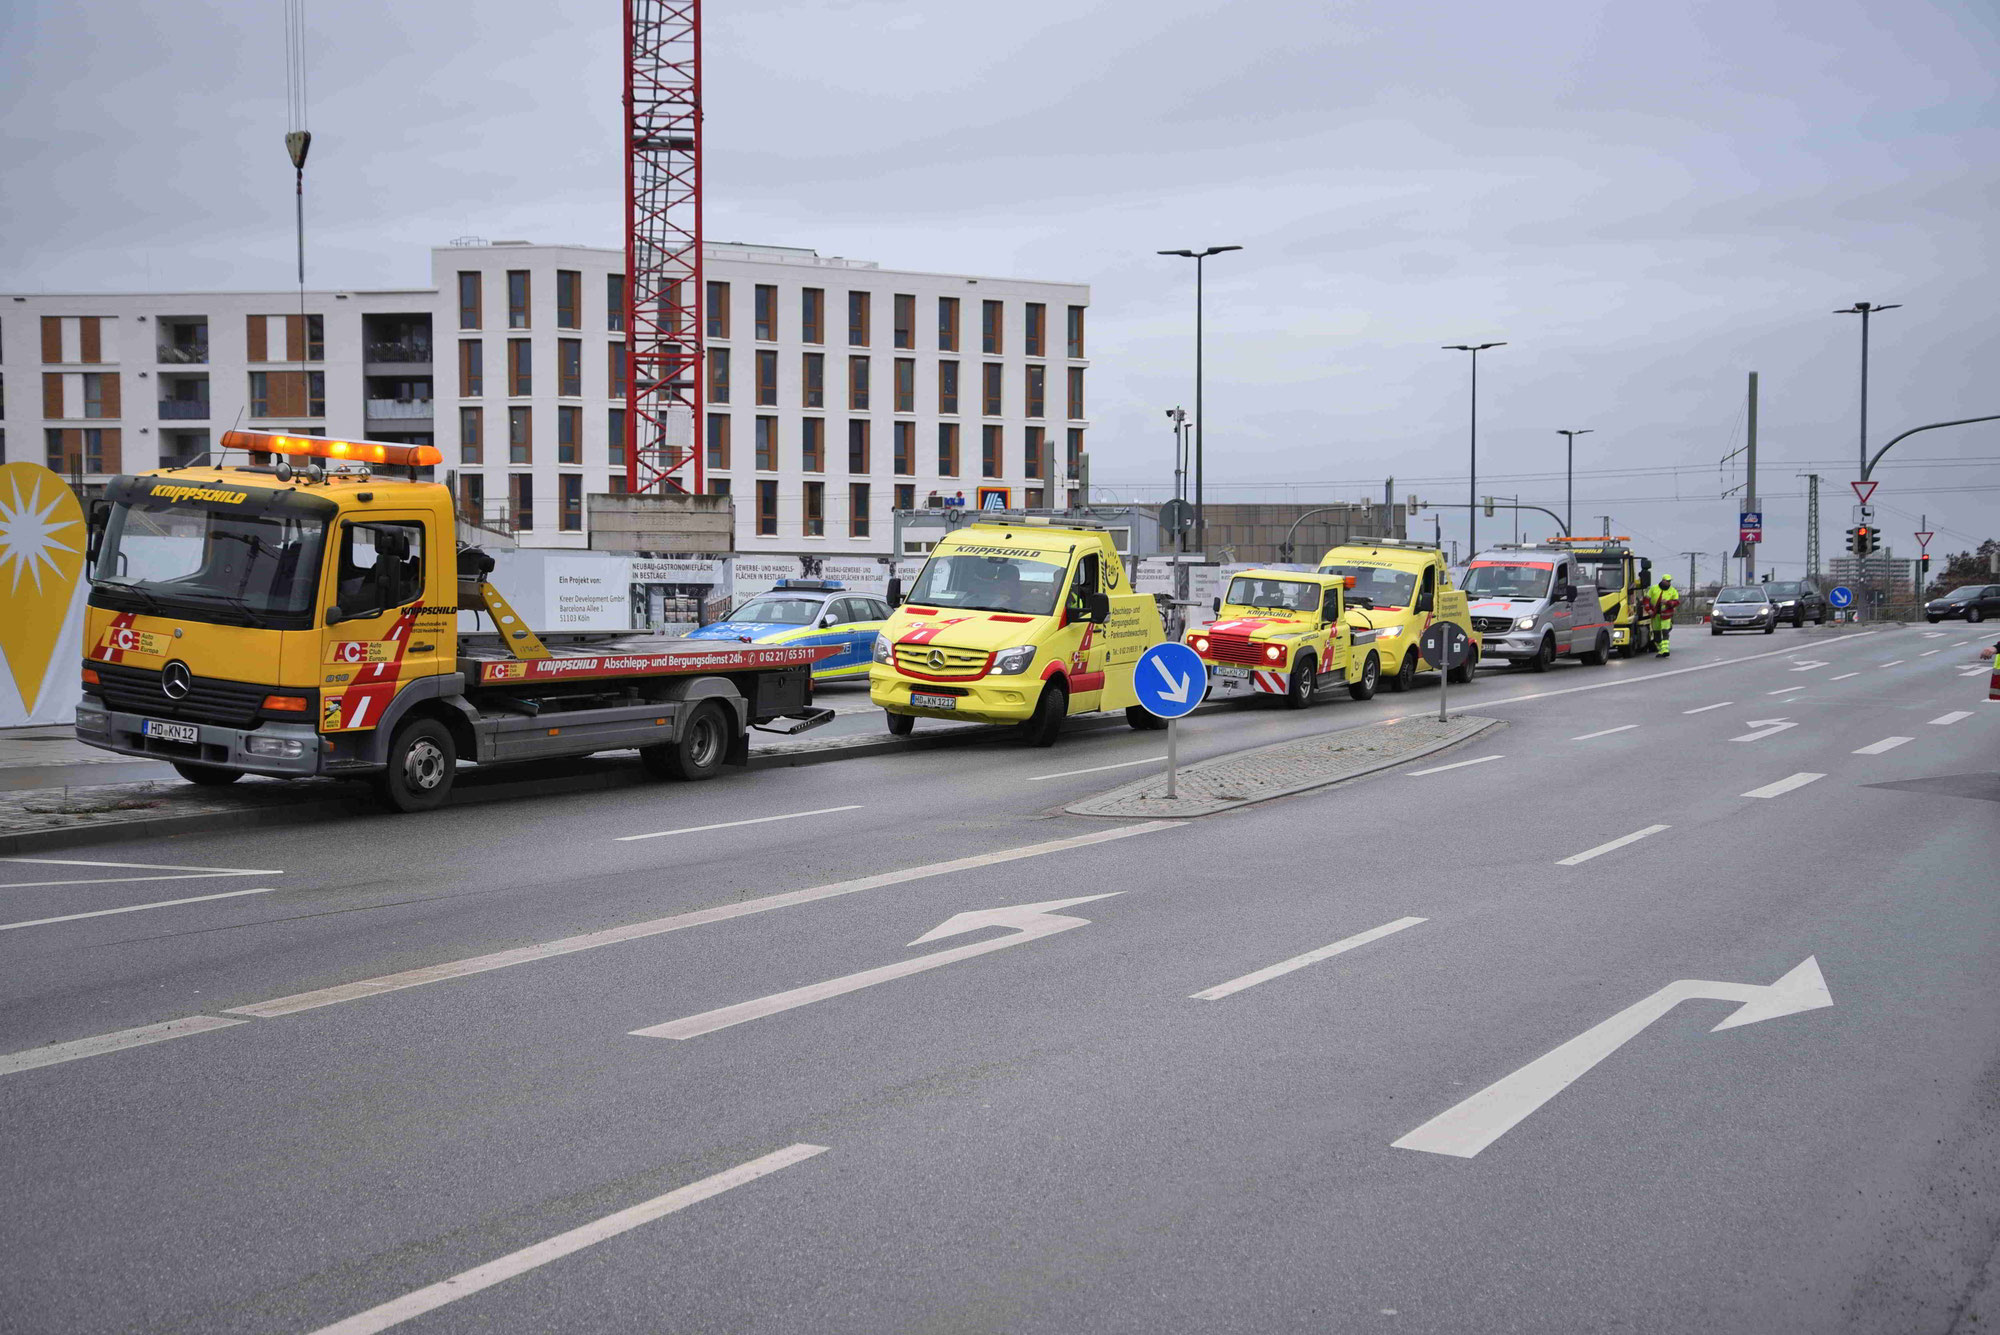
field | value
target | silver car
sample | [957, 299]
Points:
[1743, 607]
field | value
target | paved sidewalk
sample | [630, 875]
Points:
[1232, 781]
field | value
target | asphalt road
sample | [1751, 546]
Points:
[439, 1077]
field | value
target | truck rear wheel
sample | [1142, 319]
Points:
[1144, 719]
[1045, 725]
[423, 761]
[698, 752]
[1600, 654]
[208, 776]
[1463, 674]
[1363, 687]
[900, 725]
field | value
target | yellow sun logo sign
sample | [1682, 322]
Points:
[42, 542]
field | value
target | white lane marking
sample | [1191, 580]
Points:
[1095, 769]
[178, 873]
[437, 973]
[730, 824]
[1877, 748]
[1844, 676]
[1952, 717]
[1283, 967]
[1705, 708]
[53, 1053]
[468, 1282]
[130, 908]
[1783, 786]
[1617, 843]
[1808, 665]
[1979, 671]
[1655, 676]
[1770, 727]
[1934, 634]
[1928, 652]
[1894, 661]
[1606, 732]
[1439, 769]
[1960, 644]
[1785, 690]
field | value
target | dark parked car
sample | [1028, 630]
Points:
[1973, 602]
[1798, 601]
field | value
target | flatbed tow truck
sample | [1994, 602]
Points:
[1622, 578]
[297, 621]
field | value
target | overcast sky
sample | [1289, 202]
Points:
[1646, 201]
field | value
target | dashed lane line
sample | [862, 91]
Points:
[130, 908]
[1785, 691]
[1615, 844]
[731, 824]
[1952, 717]
[1705, 708]
[52, 1054]
[1886, 744]
[1844, 676]
[1283, 967]
[1098, 769]
[1656, 676]
[1605, 732]
[1785, 785]
[1895, 662]
[1461, 764]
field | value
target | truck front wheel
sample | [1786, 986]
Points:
[900, 725]
[1144, 720]
[1305, 677]
[208, 776]
[1045, 725]
[698, 752]
[423, 761]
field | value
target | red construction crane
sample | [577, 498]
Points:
[663, 286]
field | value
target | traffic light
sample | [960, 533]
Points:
[1927, 565]
[1489, 507]
[1853, 543]
[1863, 540]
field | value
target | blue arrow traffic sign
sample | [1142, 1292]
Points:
[1840, 596]
[1170, 680]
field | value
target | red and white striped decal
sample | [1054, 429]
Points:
[366, 698]
[1271, 683]
[110, 646]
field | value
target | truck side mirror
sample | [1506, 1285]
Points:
[334, 616]
[1100, 607]
[100, 512]
[1217, 604]
[895, 592]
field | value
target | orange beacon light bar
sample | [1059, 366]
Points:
[323, 447]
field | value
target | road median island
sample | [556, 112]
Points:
[1225, 783]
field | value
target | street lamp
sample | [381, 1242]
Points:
[1178, 416]
[1200, 438]
[1569, 476]
[1472, 489]
[1864, 310]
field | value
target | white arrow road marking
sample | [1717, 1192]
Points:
[1785, 785]
[1617, 843]
[1439, 769]
[1807, 665]
[1771, 728]
[1176, 688]
[1030, 922]
[129, 908]
[1886, 744]
[1283, 967]
[1705, 708]
[1952, 717]
[468, 1282]
[1469, 1127]
[1604, 733]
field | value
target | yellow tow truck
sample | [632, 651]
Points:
[1015, 620]
[1287, 635]
[302, 619]
[1400, 588]
[1622, 578]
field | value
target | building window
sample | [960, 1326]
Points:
[1038, 383]
[947, 324]
[520, 367]
[767, 444]
[857, 319]
[948, 388]
[812, 315]
[991, 451]
[815, 515]
[520, 435]
[1076, 331]
[857, 383]
[569, 299]
[906, 496]
[471, 368]
[812, 450]
[814, 379]
[472, 435]
[857, 445]
[906, 320]
[767, 379]
[614, 437]
[315, 338]
[521, 500]
[947, 449]
[472, 496]
[1031, 458]
[468, 300]
[718, 440]
[767, 508]
[615, 366]
[95, 383]
[989, 389]
[1035, 337]
[569, 367]
[517, 298]
[569, 494]
[614, 302]
[990, 330]
[718, 486]
[1073, 465]
[906, 384]
[718, 374]
[767, 313]
[569, 435]
[857, 510]
[1035, 497]
[285, 394]
[1076, 393]
[718, 310]
[905, 460]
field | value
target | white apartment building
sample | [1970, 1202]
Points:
[836, 390]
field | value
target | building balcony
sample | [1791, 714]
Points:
[183, 410]
[397, 352]
[399, 410]
[193, 354]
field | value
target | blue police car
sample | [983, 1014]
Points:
[809, 611]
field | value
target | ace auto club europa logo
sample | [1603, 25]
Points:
[42, 542]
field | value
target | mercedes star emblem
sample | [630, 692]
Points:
[937, 658]
[176, 680]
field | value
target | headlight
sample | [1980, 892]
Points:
[882, 652]
[284, 748]
[1275, 652]
[1389, 632]
[1201, 644]
[1012, 662]
[93, 721]
[1525, 623]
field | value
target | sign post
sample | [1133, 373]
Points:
[1170, 680]
[1446, 647]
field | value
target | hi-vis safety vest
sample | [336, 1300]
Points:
[1665, 602]
[1993, 689]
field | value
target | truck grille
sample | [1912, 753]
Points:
[917, 660]
[1235, 649]
[136, 690]
[1492, 625]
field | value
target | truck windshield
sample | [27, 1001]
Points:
[1608, 576]
[1507, 581]
[1384, 587]
[257, 568]
[1289, 595]
[779, 610]
[989, 583]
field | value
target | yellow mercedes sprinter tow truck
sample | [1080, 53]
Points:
[1015, 620]
[1622, 580]
[302, 619]
[1400, 587]
[1286, 635]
